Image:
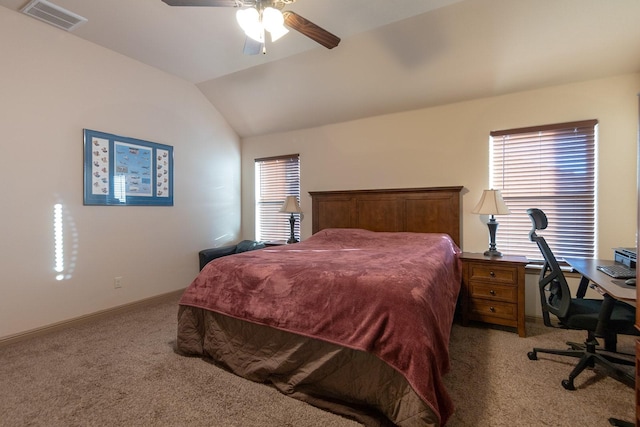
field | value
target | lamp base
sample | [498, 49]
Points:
[292, 222]
[493, 227]
[492, 253]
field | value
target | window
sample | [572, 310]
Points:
[276, 178]
[551, 168]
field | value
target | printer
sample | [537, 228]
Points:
[626, 256]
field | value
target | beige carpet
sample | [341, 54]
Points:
[494, 383]
[122, 371]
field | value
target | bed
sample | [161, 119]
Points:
[355, 319]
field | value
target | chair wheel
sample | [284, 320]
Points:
[532, 355]
[568, 385]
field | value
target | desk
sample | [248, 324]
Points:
[611, 290]
[604, 283]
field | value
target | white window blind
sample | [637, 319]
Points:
[276, 178]
[552, 168]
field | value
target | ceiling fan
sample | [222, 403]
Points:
[256, 16]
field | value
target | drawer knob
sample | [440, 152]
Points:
[492, 292]
[492, 274]
[491, 309]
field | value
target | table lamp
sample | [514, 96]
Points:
[291, 206]
[491, 203]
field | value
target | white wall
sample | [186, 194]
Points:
[449, 145]
[52, 85]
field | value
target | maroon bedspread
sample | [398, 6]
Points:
[391, 294]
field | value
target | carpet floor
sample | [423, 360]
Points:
[121, 370]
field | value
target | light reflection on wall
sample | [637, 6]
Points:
[64, 227]
[58, 240]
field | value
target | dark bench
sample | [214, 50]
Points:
[207, 255]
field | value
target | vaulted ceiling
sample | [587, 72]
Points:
[395, 55]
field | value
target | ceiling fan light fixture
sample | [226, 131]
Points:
[248, 19]
[272, 18]
[257, 16]
[254, 23]
[250, 22]
[273, 22]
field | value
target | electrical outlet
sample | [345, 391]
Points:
[117, 282]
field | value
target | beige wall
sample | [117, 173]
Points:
[53, 85]
[448, 145]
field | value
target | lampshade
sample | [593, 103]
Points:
[491, 203]
[291, 205]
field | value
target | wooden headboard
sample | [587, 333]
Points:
[422, 210]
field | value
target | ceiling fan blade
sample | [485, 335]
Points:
[211, 3]
[252, 47]
[310, 29]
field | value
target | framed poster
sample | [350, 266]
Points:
[121, 171]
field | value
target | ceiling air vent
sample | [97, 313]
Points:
[53, 14]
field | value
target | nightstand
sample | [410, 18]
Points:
[493, 290]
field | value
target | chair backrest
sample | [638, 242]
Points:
[555, 295]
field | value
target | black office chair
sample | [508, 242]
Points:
[580, 313]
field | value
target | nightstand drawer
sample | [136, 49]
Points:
[484, 310]
[493, 273]
[494, 292]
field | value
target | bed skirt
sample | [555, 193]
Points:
[352, 383]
